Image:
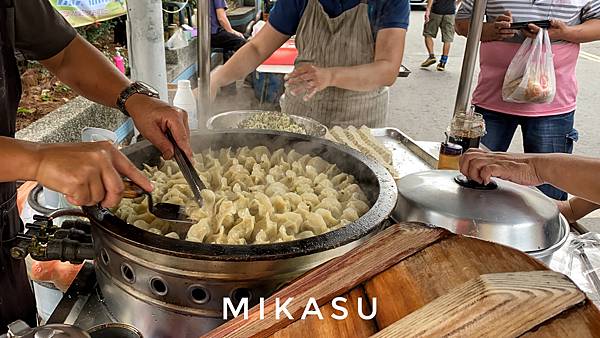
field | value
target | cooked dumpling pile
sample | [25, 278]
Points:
[253, 196]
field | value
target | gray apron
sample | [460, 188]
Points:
[16, 296]
[343, 41]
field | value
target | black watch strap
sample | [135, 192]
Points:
[137, 87]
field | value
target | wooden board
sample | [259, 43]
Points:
[492, 305]
[407, 268]
[437, 270]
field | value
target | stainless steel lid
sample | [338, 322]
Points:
[505, 213]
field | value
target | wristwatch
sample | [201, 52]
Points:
[137, 87]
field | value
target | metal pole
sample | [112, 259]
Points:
[203, 19]
[147, 45]
[471, 50]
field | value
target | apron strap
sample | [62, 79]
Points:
[6, 209]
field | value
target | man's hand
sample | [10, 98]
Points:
[233, 31]
[427, 15]
[481, 166]
[87, 173]
[307, 80]
[153, 118]
[498, 30]
[558, 30]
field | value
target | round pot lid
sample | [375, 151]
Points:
[502, 212]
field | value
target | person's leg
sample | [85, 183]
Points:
[500, 129]
[227, 41]
[447, 28]
[429, 33]
[429, 45]
[446, 49]
[550, 134]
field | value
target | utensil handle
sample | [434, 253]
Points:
[132, 190]
[592, 273]
[463, 181]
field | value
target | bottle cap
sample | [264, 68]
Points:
[184, 84]
[451, 149]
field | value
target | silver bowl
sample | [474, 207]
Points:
[232, 119]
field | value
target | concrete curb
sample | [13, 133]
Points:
[65, 123]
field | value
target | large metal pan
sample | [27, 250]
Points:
[163, 285]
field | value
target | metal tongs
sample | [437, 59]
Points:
[169, 211]
[165, 211]
[188, 170]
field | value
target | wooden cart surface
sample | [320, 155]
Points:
[427, 282]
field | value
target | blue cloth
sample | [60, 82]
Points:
[285, 16]
[547, 134]
[215, 26]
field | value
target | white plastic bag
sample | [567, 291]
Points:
[177, 41]
[530, 76]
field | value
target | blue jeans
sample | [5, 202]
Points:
[547, 134]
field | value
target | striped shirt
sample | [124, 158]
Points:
[495, 56]
[573, 12]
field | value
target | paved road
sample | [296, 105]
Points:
[422, 104]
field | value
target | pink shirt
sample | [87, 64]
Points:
[494, 59]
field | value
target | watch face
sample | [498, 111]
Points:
[147, 87]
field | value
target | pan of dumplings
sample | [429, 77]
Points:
[276, 205]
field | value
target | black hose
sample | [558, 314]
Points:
[33, 200]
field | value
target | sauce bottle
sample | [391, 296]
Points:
[449, 155]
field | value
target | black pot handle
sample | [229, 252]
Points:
[463, 181]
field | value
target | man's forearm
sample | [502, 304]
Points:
[576, 175]
[586, 32]
[88, 72]
[18, 158]
[226, 24]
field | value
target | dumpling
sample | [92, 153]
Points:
[155, 231]
[311, 199]
[315, 223]
[291, 221]
[276, 188]
[327, 217]
[253, 196]
[265, 230]
[140, 223]
[349, 214]
[242, 231]
[199, 231]
[280, 204]
[360, 206]
[173, 235]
